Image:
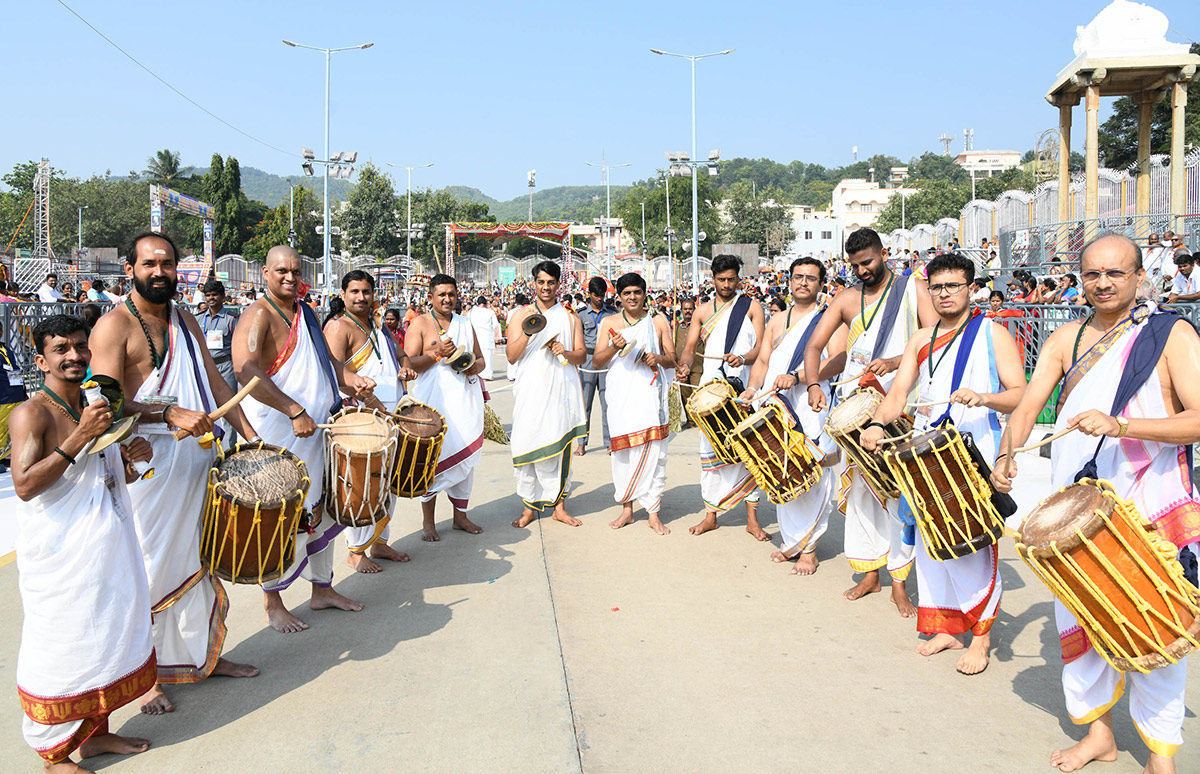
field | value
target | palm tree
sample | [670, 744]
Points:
[164, 165]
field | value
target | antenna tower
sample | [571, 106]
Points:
[945, 140]
[968, 140]
[41, 206]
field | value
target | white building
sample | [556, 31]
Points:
[817, 234]
[857, 203]
[986, 163]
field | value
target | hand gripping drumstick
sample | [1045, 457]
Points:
[226, 407]
[562, 359]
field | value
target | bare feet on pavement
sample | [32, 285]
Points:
[463, 524]
[777, 557]
[658, 526]
[527, 517]
[868, 585]
[806, 564]
[560, 514]
[975, 660]
[938, 643]
[580, 450]
[752, 524]
[709, 524]
[1098, 745]
[625, 518]
[227, 668]
[362, 563]
[900, 599]
[278, 616]
[381, 550]
[155, 702]
[324, 597]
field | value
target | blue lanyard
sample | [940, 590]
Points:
[204, 324]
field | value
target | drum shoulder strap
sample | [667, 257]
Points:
[891, 309]
[965, 345]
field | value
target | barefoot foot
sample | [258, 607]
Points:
[463, 524]
[1098, 745]
[624, 519]
[900, 599]
[1159, 764]
[757, 532]
[938, 643]
[324, 597]
[429, 534]
[381, 550]
[709, 524]
[362, 563]
[658, 526]
[777, 557]
[113, 744]
[527, 517]
[806, 564]
[868, 585]
[580, 450]
[560, 514]
[227, 668]
[155, 702]
[975, 660]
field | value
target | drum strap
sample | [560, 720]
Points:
[1143, 359]
[318, 341]
[733, 327]
[218, 433]
[891, 308]
[798, 353]
[960, 361]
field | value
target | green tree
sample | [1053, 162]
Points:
[933, 166]
[369, 221]
[165, 166]
[221, 187]
[750, 219]
[937, 199]
[654, 193]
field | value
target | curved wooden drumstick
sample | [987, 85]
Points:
[1045, 441]
[930, 403]
[224, 408]
[845, 381]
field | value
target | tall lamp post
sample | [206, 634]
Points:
[408, 197]
[79, 253]
[693, 58]
[327, 232]
[604, 167]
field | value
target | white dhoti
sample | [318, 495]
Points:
[547, 416]
[189, 605]
[376, 359]
[638, 418]
[803, 521]
[300, 373]
[86, 644]
[1157, 479]
[485, 325]
[459, 399]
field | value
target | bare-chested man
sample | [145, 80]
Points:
[278, 339]
[86, 644]
[156, 350]
[731, 327]
[882, 314]
[369, 350]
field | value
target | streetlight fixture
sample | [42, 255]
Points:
[531, 176]
[408, 232]
[79, 252]
[343, 173]
[693, 58]
[604, 167]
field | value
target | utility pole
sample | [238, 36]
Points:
[531, 175]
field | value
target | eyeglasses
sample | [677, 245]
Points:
[1116, 275]
[949, 288]
[806, 278]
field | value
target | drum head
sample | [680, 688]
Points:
[419, 420]
[361, 431]
[854, 411]
[1057, 517]
[758, 419]
[251, 475]
[710, 397]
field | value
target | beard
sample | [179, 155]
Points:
[156, 293]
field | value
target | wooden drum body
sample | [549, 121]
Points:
[950, 497]
[712, 406]
[845, 423]
[360, 454]
[776, 454]
[421, 433]
[1121, 579]
[252, 511]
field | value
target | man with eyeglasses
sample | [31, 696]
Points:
[1130, 377]
[970, 368]
[780, 367]
[1184, 288]
[881, 315]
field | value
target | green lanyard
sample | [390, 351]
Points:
[370, 336]
[862, 303]
[438, 323]
[54, 397]
[277, 309]
[946, 351]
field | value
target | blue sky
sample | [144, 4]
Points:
[490, 90]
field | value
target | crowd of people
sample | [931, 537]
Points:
[136, 609]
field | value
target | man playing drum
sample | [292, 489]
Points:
[368, 350]
[961, 594]
[86, 644]
[731, 327]
[157, 351]
[458, 396]
[1146, 419]
[780, 366]
[882, 314]
[639, 383]
[548, 399]
[278, 339]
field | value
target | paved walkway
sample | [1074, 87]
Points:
[591, 650]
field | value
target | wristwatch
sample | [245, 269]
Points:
[1122, 426]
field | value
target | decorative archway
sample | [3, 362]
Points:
[557, 231]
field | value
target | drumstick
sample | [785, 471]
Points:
[1008, 453]
[929, 403]
[334, 425]
[766, 394]
[1044, 441]
[845, 381]
[896, 438]
[224, 408]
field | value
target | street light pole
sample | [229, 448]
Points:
[607, 207]
[408, 198]
[328, 236]
[80, 250]
[695, 204]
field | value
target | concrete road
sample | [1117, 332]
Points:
[591, 650]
